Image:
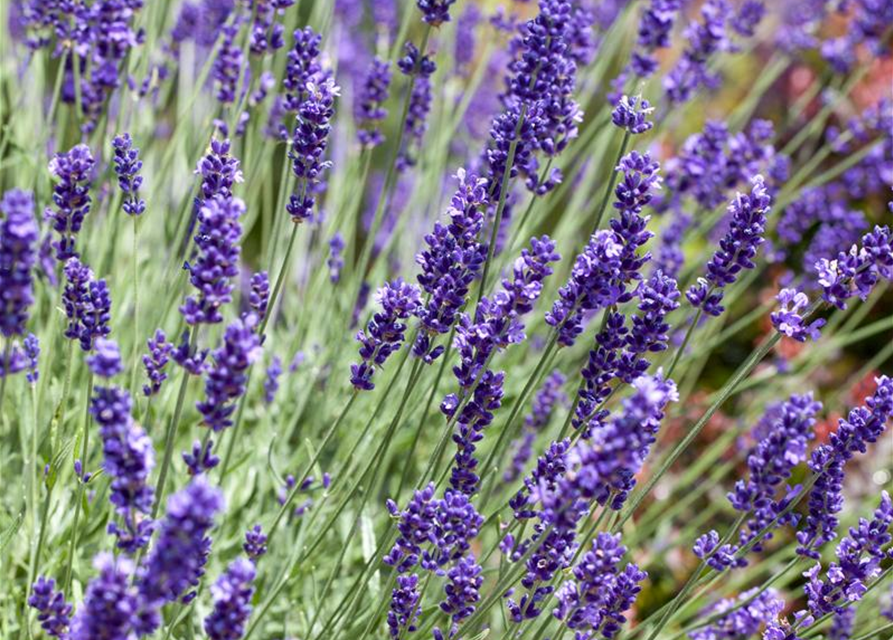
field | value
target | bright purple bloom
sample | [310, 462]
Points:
[177, 560]
[105, 361]
[259, 297]
[156, 361]
[435, 12]
[335, 261]
[266, 33]
[228, 65]
[856, 272]
[655, 28]
[737, 248]
[631, 115]
[228, 376]
[87, 305]
[743, 621]
[704, 40]
[748, 18]
[416, 124]
[128, 458]
[404, 612]
[32, 352]
[789, 321]
[462, 591]
[111, 607]
[71, 195]
[863, 426]
[53, 613]
[255, 543]
[302, 67]
[217, 262]
[384, 332]
[594, 603]
[232, 601]
[219, 171]
[450, 263]
[201, 459]
[369, 110]
[18, 256]
[784, 433]
[309, 143]
[127, 168]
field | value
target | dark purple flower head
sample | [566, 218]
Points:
[302, 67]
[53, 613]
[857, 271]
[404, 611]
[369, 110]
[32, 352]
[187, 356]
[111, 606]
[232, 601]
[450, 262]
[384, 332]
[71, 196]
[737, 248]
[704, 40]
[201, 459]
[309, 143]
[217, 262]
[228, 375]
[178, 557]
[271, 382]
[863, 426]
[219, 171]
[594, 602]
[435, 12]
[789, 321]
[18, 256]
[784, 433]
[128, 458]
[259, 297]
[748, 18]
[87, 305]
[156, 361]
[740, 621]
[335, 261]
[105, 361]
[462, 591]
[631, 114]
[416, 124]
[127, 168]
[255, 543]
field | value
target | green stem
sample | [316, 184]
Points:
[85, 434]
[685, 340]
[609, 186]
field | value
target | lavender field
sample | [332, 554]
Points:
[446, 319]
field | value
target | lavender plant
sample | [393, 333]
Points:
[445, 319]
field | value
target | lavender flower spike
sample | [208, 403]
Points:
[105, 361]
[71, 195]
[789, 321]
[232, 601]
[18, 255]
[631, 114]
[53, 613]
[737, 248]
[384, 332]
[111, 606]
[127, 167]
[228, 377]
[369, 110]
[856, 272]
[435, 12]
[87, 305]
[155, 362]
[741, 622]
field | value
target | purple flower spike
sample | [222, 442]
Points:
[789, 321]
[740, 621]
[631, 114]
[737, 248]
[105, 361]
[111, 606]
[271, 383]
[155, 362]
[178, 557]
[404, 611]
[704, 40]
[128, 458]
[856, 272]
[18, 256]
[228, 376]
[595, 602]
[53, 613]
[450, 262]
[32, 352]
[217, 262]
[219, 171]
[259, 297]
[435, 12]
[384, 332]
[232, 601]
[255, 543]
[369, 110]
[544, 402]
[71, 195]
[201, 459]
[335, 261]
[228, 65]
[309, 146]
[863, 426]
[87, 305]
[127, 167]
[302, 67]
